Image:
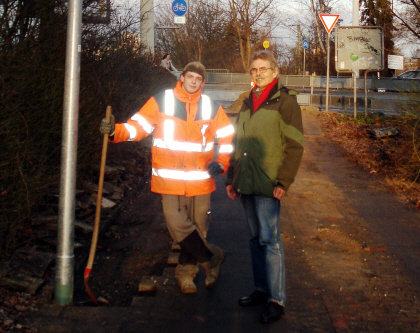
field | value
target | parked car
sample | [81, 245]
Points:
[411, 75]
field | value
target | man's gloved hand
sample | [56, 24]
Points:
[108, 127]
[214, 169]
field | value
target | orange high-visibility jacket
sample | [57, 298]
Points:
[184, 127]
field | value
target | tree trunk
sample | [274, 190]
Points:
[317, 25]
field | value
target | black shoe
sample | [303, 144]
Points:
[272, 312]
[257, 297]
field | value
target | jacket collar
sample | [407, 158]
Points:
[185, 96]
[274, 93]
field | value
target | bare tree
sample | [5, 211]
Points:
[221, 34]
[379, 13]
[205, 36]
[408, 15]
[313, 30]
[317, 8]
[247, 17]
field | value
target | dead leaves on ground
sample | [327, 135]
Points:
[395, 159]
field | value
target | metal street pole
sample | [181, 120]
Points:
[304, 60]
[356, 22]
[147, 25]
[355, 72]
[299, 41]
[328, 73]
[66, 210]
[356, 12]
[355, 93]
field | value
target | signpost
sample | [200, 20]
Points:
[64, 274]
[305, 45]
[359, 48]
[179, 8]
[329, 21]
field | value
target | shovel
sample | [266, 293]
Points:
[89, 265]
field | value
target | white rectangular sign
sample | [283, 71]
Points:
[395, 62]
[179, 19]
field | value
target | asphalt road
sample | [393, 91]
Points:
[351, 251]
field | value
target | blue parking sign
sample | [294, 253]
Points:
[179, 7]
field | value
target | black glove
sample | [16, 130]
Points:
[214, 169]
[108, 127]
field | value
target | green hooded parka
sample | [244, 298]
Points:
[268, 144]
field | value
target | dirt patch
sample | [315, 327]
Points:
[136, 245]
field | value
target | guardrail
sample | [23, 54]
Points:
[309, 81]
[232, 78]
[216, 71]
[398, 85]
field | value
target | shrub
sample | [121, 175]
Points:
[114, 72]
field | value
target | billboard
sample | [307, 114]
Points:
[359, 48]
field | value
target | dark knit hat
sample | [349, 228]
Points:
[196, 67]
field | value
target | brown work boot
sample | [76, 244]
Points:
[185, 275]
[187, 285]
[213, 266]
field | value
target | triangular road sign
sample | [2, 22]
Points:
[329, 21]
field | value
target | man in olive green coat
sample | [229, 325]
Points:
[268, 148]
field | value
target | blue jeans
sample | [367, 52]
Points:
[263, 216]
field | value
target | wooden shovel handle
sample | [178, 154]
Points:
[99, 199]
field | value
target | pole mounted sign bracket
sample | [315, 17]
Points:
[329, 21]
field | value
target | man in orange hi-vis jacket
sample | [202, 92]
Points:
[184, 124]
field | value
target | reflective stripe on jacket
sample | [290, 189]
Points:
[184, 127]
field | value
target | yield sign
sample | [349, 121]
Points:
[329, 21]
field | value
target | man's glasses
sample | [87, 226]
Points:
[262, 70]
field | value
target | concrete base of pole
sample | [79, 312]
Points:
[63, 294]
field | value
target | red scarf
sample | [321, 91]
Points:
[264, 94]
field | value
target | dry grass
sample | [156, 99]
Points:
[395, 159]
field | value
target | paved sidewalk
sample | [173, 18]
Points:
[351, 252]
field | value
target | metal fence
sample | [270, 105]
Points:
[309, 81]
[232, 78]
[398, 85]
[217, 71]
